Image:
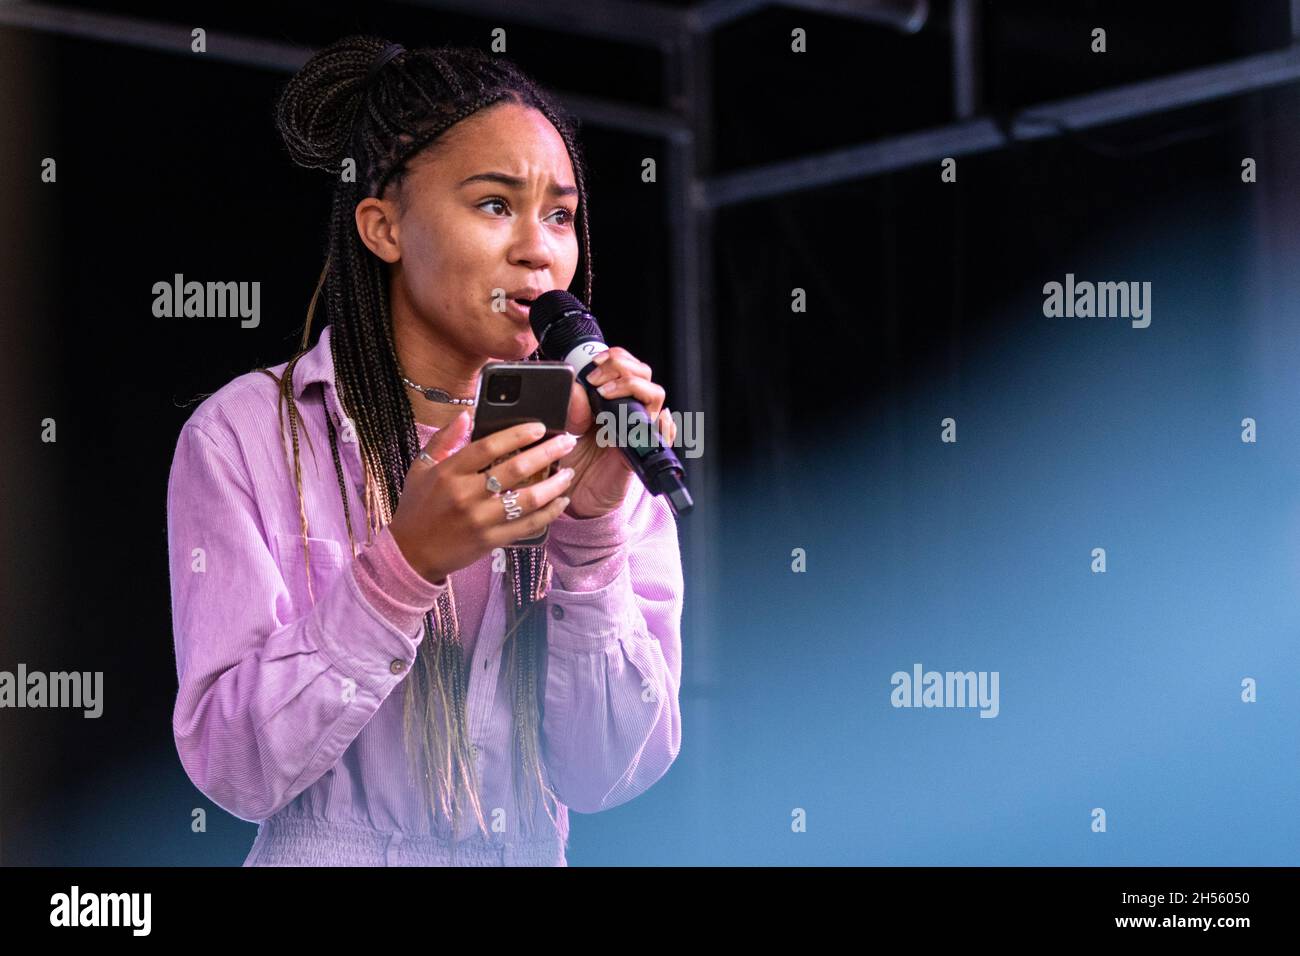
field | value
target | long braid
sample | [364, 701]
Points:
[327, 114]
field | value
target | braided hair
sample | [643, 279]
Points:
[378, 105]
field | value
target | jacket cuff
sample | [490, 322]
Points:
[587, 553]
[598, 535]
[392, 588]
[588, 622]
[363, 643]
[586, 577]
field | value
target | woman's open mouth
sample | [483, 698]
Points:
[519, 308]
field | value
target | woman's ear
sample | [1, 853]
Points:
[376, 221]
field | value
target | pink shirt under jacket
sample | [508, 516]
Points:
[290, 714]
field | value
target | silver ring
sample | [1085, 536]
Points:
[513, 510]
[427, 457]
[493, 485]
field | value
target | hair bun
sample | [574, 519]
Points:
[317, 109]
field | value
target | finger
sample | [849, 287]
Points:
[528, 525]
[649, 393]
[512, 472]
[622, 356]
[624, 364]
[618, 357]
[443, 441]
[667, 427]
[537, 496]
[478, 455]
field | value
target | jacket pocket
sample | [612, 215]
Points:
[327, 559]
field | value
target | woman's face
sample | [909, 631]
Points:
[489, 211]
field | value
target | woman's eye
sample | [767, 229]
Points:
[567, 217]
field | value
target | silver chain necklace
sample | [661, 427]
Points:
[437, 394]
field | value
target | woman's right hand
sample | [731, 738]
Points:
[446, 518]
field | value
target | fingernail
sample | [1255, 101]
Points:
[567, 473]
[536, 429]
[568, 440]
[604, 389]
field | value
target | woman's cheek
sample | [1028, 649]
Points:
[573, 262]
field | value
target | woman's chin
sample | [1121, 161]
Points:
[518, 348]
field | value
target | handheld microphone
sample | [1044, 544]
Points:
[567, 332]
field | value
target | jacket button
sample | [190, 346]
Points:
[397, 666]
[557, 612]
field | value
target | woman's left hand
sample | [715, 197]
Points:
[602, 476]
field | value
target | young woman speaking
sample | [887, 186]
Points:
[422, 693]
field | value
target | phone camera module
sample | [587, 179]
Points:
[503, 388]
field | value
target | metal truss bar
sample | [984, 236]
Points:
[632, 119]
[1049, 119]
[286, 58]
[642, 24]
[153, 35]
[907, 16]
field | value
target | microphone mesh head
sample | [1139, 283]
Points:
[560, 321]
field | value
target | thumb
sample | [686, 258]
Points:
[579, 417]
[441, 444]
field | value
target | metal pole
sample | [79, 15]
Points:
[965, 58]
[689, 72]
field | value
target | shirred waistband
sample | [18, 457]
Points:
[307, 841]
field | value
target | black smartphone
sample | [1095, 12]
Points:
[511, 393]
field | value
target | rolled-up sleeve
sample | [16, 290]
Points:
[612, 718]
[265, 704]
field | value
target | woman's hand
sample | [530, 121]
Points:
[602, 476]
[446, 518]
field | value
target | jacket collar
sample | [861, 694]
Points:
[317, 365]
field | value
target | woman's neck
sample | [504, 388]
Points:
[431, 364]
[437, 414]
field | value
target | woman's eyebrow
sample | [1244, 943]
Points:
[514, 182]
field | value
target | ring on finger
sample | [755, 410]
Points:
[511, 504]
[493, 485]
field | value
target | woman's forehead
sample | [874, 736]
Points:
[509, 139]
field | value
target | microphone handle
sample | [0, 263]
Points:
[654, 462]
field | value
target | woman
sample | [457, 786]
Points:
[534, 679]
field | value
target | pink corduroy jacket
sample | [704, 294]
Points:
[289, 712]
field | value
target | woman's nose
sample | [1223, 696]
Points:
[532, 246]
